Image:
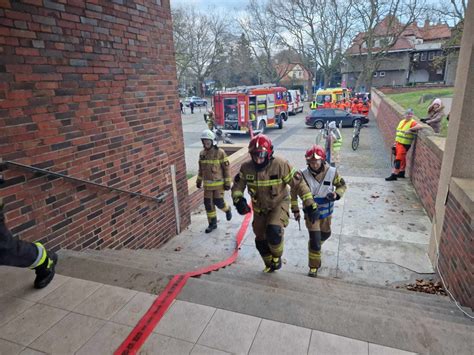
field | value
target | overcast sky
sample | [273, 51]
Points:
[228, 5]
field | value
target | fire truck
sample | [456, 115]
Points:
[257, 107]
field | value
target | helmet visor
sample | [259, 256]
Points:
[259, 154]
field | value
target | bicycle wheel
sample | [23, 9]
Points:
[355, 142]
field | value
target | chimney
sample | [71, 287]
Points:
[427, 23]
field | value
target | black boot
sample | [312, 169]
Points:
[228, 215]
[211, 227]
[45, 272]
[401, 174]
[392, 177]
[313, 272]
[276, 263]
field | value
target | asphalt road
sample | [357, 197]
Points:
[372, 159]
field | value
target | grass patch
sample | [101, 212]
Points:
[412, 100]
[189, 176]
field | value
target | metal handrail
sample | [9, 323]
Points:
[159, 199]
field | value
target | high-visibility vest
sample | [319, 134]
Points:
[403, 136]
[320, 191]
[313, 105]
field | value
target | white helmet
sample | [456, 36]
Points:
[208, 134]
[332, 125]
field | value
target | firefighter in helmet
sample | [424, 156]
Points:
[266, 178]
[209, 119]
[326, 186]
[19, 253]
[214, 174]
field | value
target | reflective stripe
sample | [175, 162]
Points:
[228, 179]
[236, 195]
[264, 183]
[307, 196]
[41, 255]
[288, 177]
[208, 183]
[214, 161]
[211, 214]
[294, 203]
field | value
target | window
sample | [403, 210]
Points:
[423, 56]
[431, 55]
[375, 74]
[382, 74]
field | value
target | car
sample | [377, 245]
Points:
[317, 118]
[198, 101]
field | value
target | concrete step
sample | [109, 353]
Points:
[346, 317]
[302, 283]
[116, 274]
[384, 306]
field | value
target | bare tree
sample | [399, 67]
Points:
[258, 27]
[318, 30]
[380, 26]
[200, 41]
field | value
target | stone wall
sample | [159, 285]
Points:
[88, 89]
[455, 250]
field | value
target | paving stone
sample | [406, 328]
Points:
[217, 334]
[68, 335]
[134, 310]
[9, 348]
[185, 321]
[31, 324]
[105, 302]
[326, 343]
[10, 307]
[280, 338]
[158, 344]
[70, 294]
[204, 350]
[375, 349]
[106, 340]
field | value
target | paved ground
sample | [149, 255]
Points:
[73, 316]
[380, 230]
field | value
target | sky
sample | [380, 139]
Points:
[227, 5]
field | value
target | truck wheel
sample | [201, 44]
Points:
[283, 117]
[280, 123]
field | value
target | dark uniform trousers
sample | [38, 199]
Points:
[13, 251]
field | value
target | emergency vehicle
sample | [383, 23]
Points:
[295, 102]
[260, 107]
[336, 94]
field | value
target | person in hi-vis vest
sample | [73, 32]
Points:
[326, 186]
[406, 133]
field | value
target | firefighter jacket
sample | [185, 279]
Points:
[403, 136]
[328, 180]
[214, 169]
[269, 187]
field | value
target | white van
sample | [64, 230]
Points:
[295, 102]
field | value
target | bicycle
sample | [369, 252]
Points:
[355, 135]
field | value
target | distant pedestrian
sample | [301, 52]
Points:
[19, 253]
[181, 106]
[191, 106]
[435, 115]
[406, 133]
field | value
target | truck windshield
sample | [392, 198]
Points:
[230, 109]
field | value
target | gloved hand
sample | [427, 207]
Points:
[198, 184]
[423, 120]
[331, 196]
[312, 213]
[297, 215]
[227, 187]
[241, 206]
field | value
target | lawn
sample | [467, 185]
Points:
[413, 100]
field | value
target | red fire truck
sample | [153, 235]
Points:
[259, 107]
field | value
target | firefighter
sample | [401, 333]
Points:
[214, 174]
[16, 252]
[266, 178]
[209, 119]
[355, 107]
[313, 105]
[406, 132]
[326, 186]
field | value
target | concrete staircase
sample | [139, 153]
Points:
[396, 318]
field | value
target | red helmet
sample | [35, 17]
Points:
[316, 152]
[261, 145]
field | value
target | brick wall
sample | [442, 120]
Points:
[455, 252]
[423, 159]
[237, 155]
[88, 89]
